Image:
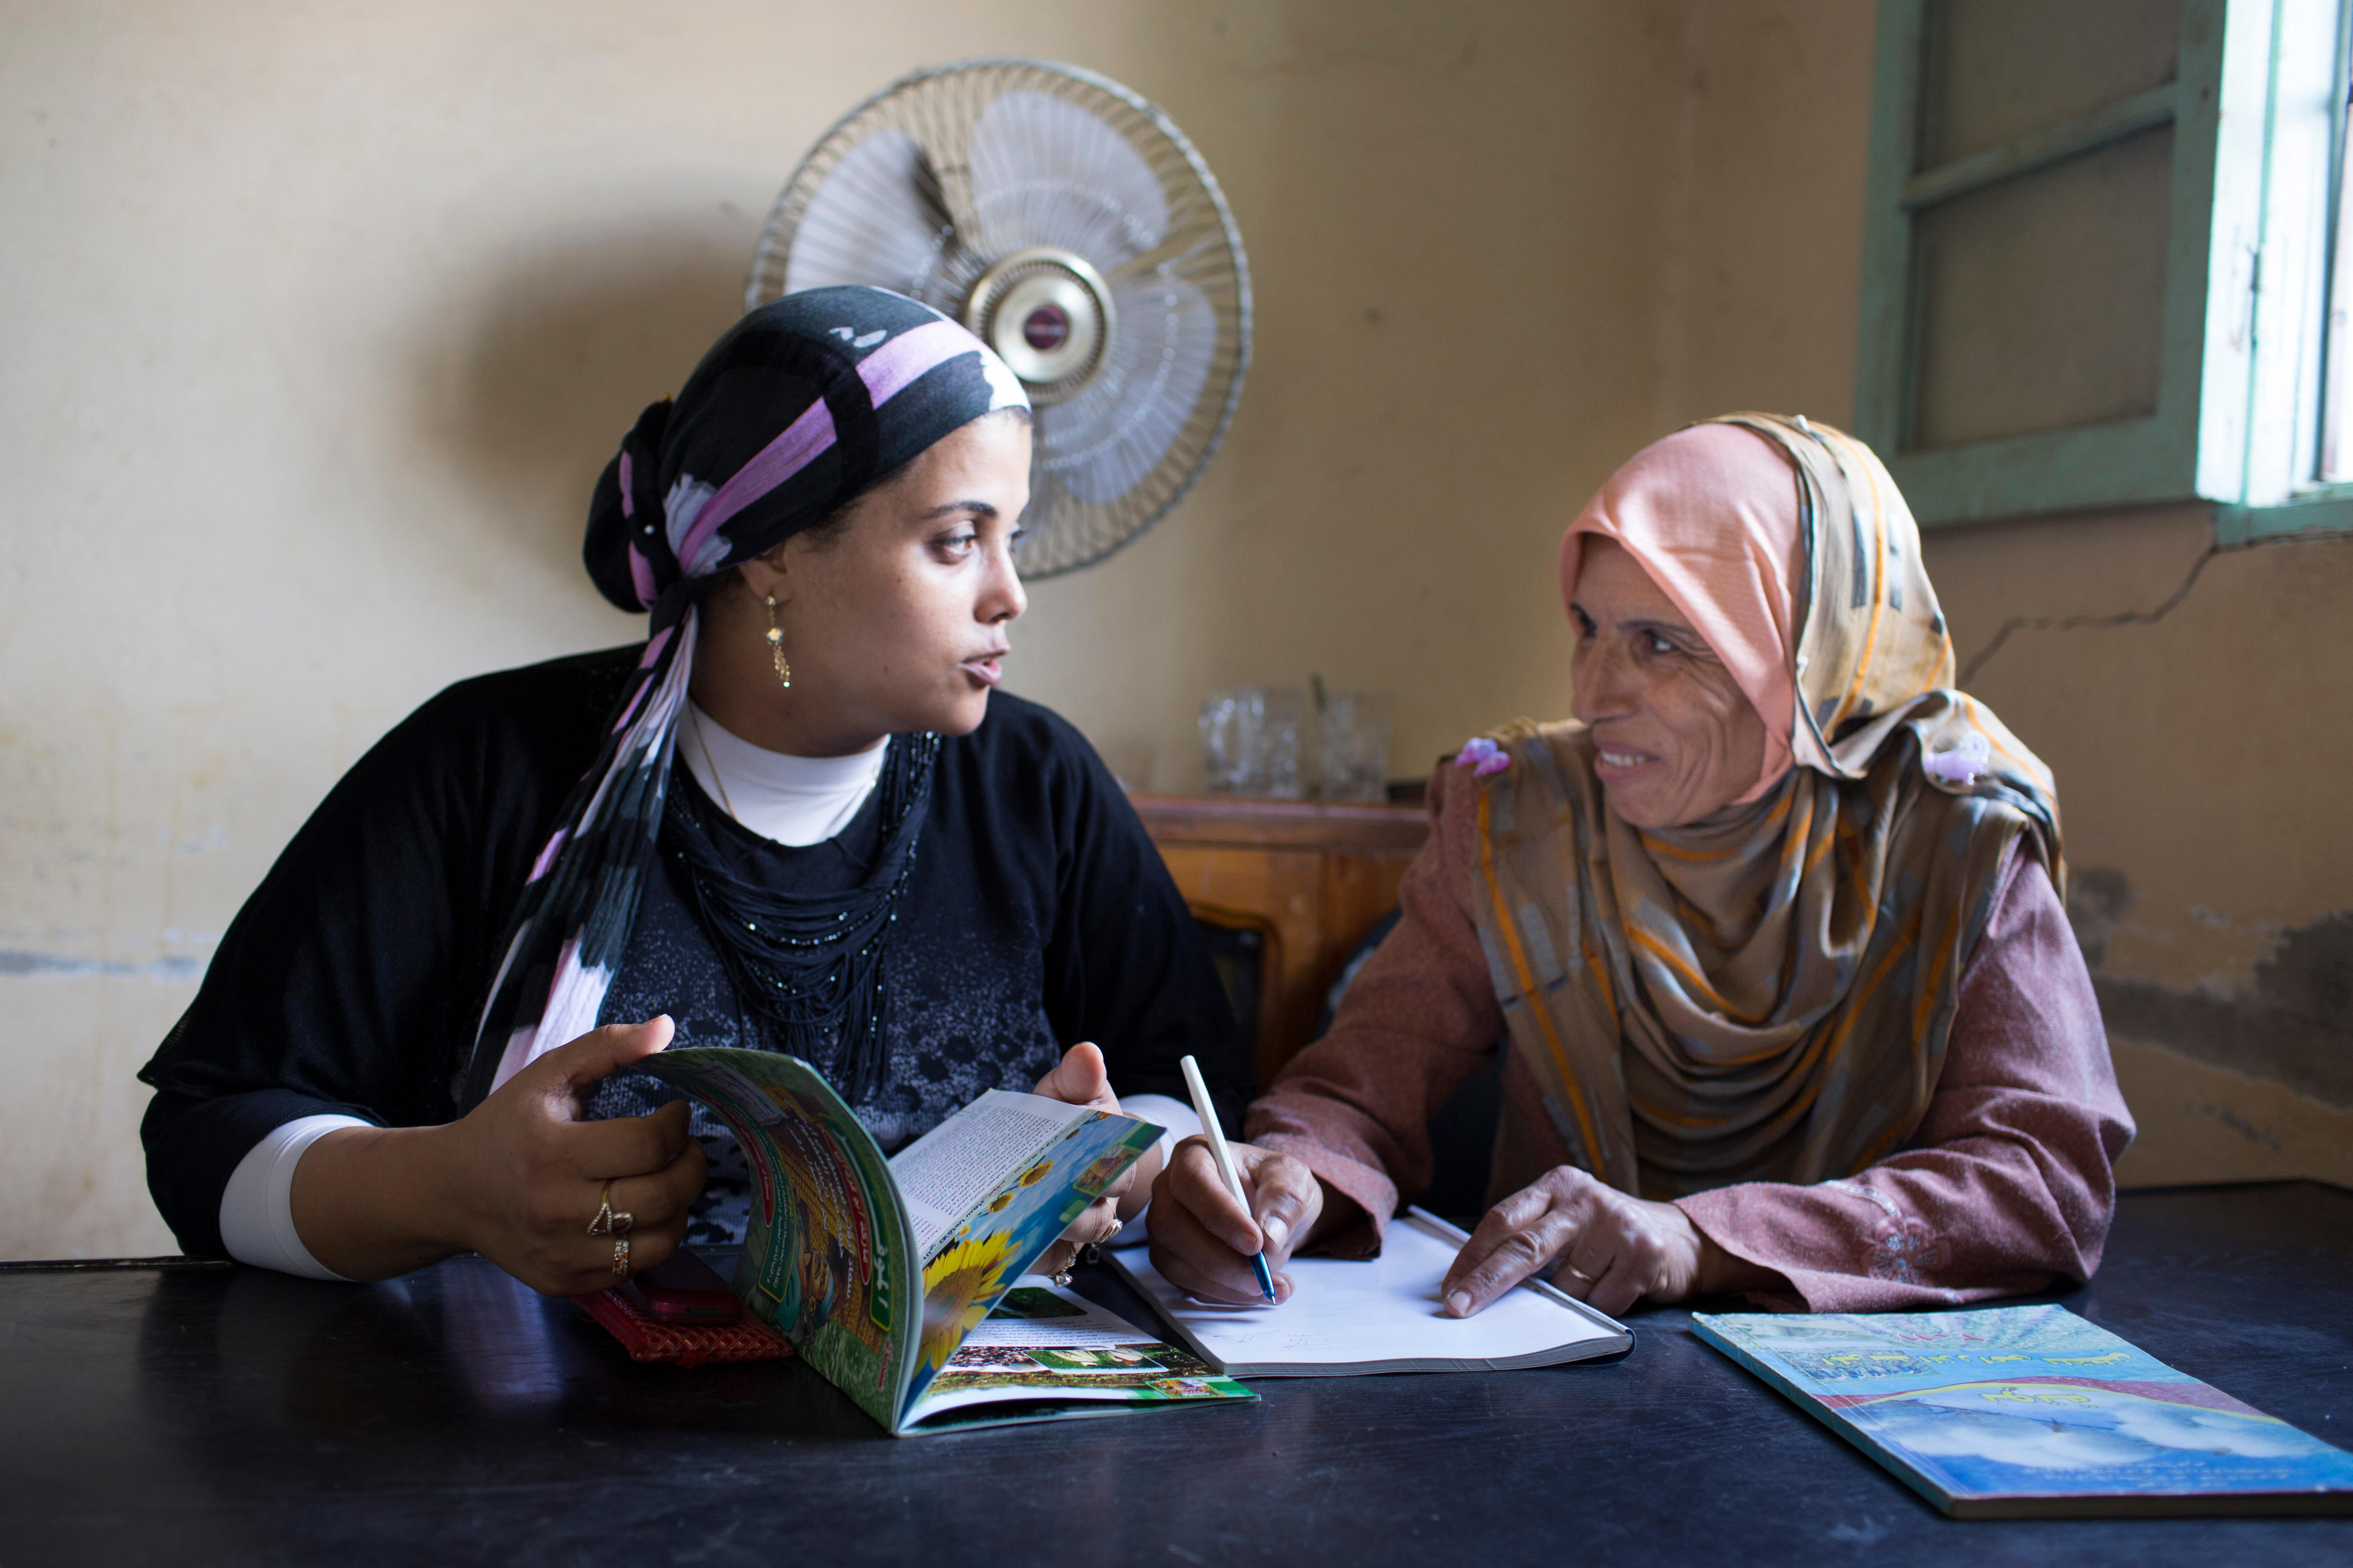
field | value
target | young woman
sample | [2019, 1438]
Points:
[1771, 933]
[799, 817]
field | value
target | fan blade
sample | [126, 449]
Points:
[1105, 441]
[1045, 172]
[876, 219]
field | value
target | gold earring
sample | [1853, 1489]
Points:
[777, 647]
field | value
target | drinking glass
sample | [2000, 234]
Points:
[1356, 734]
[1250, 742]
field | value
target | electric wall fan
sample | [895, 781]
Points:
[1071, 224]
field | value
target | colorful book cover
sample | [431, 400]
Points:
[2022, 1411]
[827, 1252]
[880, 1269]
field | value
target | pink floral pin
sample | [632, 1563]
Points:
[1960, 764]
[1484, 758]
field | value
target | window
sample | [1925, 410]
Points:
[2101, 263]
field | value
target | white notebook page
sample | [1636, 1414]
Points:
[1383, 1309]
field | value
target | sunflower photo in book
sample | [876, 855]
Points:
[982, 1257]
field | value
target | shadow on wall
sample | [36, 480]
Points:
[554, 360]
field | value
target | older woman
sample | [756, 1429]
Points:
[1772, 933]
[797, 817]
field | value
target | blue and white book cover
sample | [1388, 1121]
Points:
[2018, 1411]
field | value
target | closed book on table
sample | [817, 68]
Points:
[2031, 1412]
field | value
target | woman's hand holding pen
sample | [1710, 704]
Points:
[1203, 1241]
[1080, 1079]
[518, 1179]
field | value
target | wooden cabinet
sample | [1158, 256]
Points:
[1311, 879]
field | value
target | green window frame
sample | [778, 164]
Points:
[2257, 105]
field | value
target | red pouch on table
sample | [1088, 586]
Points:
[682, 1313]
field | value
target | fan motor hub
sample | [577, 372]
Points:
[1048, 314]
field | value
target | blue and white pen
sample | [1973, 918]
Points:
[1225, 1158]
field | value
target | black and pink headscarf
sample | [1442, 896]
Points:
[803, 405]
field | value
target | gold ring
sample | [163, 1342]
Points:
[620, 1260]
[603, 1224]
[1579, 1273]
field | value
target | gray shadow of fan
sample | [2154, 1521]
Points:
[1069, 224]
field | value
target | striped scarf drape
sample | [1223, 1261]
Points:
[1766, 996]
[801, 405]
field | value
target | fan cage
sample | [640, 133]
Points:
[938, 106]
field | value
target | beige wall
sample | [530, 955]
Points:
[2202, 761]
[321, 319]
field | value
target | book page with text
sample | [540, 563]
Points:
[956, 1166]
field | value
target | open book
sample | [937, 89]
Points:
[879, 1270]
[1381, 1314]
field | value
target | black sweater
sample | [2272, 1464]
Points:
[1038, 915]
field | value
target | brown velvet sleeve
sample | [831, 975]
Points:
[2009, 1184]
[1420, 1018]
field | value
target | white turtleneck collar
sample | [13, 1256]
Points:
[796, 801]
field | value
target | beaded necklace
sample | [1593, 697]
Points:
[812, 963]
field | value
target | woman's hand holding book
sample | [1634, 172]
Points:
[1081, 1078]
[520, 1179]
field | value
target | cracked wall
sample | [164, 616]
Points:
[2200, 760]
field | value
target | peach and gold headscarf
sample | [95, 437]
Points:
[1764, 995]
[1711, 514]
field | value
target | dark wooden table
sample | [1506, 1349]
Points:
[198, 1415]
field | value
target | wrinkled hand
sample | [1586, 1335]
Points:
[1202, 1240]
[1080, 1079]
[1602, 1246]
